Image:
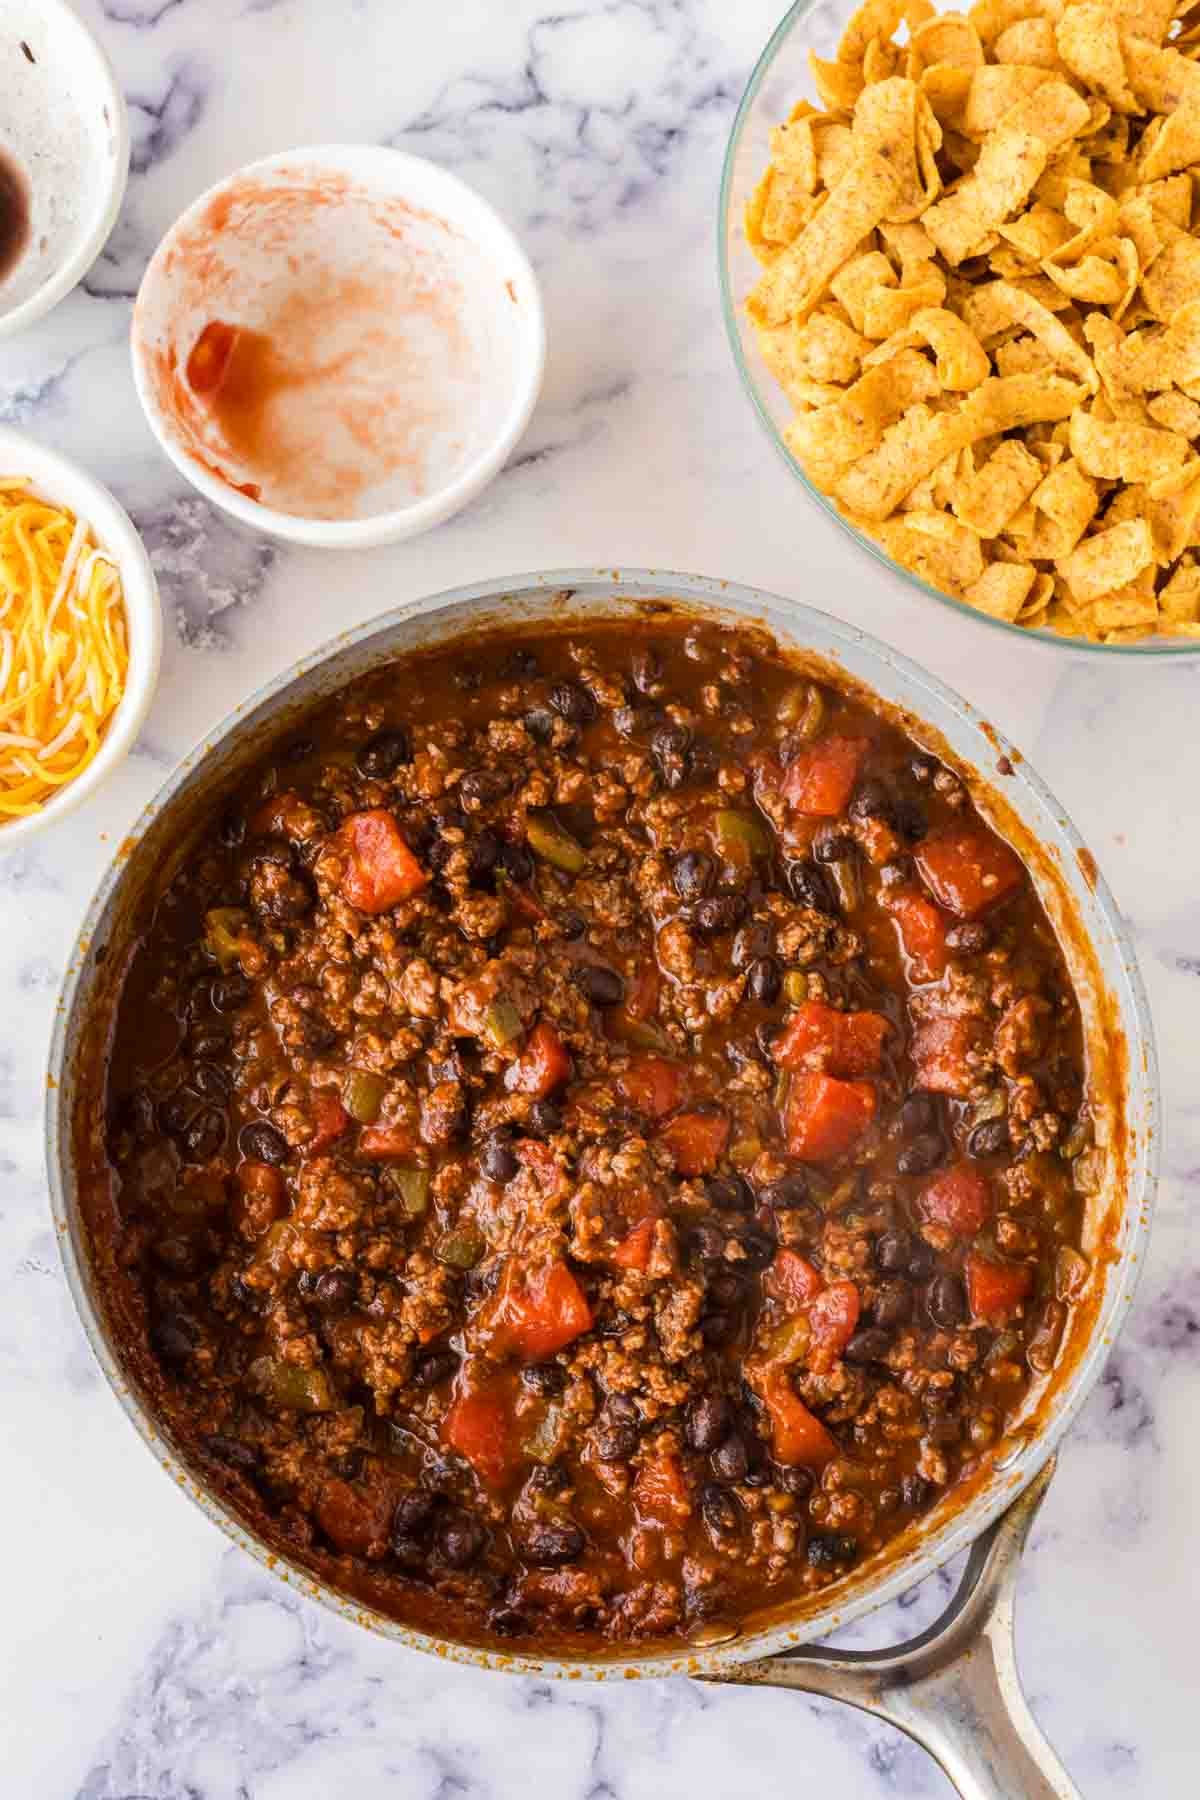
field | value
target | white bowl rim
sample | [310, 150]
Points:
[68, 483]
[72, 271]
[399, 522]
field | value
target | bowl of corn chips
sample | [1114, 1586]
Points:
[960, 261]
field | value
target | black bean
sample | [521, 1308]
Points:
[616, 1431]
[989, 1139]
[460, 1539]
[789, 1192]
[547, 1545]
[175, 1113]
[831, 845]
[719, 912]
[480, 787]
[730, 1461]
[519, 665]
[174, 1336]
[872, 801]
[921, 1260]
[262, 1143]
[809, 885]
[506, 1622]
[335, 1287]
[274, 849]
[414, 1512]
[670, 745]
[911, 821]
[793, 1480]
[210, 1079]
[918, 1113]
[728, 1193]
[208, 1044]
[468, 677]
[205, 1134]
[720, 1511]
[693, 873]
[231, 829]
[516, 862]
[233, 1452]
[545, 1119]
[718, 1329]
[349, 1465]
[383, 753]
[230, 992]
[829, 1549]
[869, 1345]
[764, 979]
[915, 1491]
[892, 1305]
[496, 1159]
[603, 986]
[646, 668]
[483, 856]
[892, 1251]
[922, 1155]
[708, 1422]
[544, 1378]
[726, 1289]
[940, 1399]
[758, 1245]
[946, 1300]
[539, 723]
[705, 1243]
[573, 702]
[434, 1367]
[968, 939]
[573, 925]
[754, 940]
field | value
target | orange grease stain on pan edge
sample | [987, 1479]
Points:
[326, 368]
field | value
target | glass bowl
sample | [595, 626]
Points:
[781, 77]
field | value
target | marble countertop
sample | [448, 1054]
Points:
[144, 1658]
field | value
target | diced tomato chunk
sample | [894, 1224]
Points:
[826, 1117]
[659, 1491]
[357, 1519]
[330, 1120]
[792, 1280]
[967, 868]
[479, 1425]
[798, 1438]
[922, 930]
[542, 1065]
[833, 1318]
[539, 1309]
[381, 870]
[696, 1141]
[817, 1036]
[995, 1289]
[641, 994]
[959, 1199]
[633, 1252]
[653, 1085]
[820, 781]
[382, 1143]
[940, 1049]
[261, 1196]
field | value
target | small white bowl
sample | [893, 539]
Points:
[391, 345]
[57, 479]
[63, 123]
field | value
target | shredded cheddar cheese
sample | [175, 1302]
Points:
[64, 648]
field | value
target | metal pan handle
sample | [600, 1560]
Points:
[954, 1689]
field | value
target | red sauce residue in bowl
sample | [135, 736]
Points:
[309, 360]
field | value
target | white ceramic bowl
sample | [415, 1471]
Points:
[63, 122]
[395, 337]
[56, 478]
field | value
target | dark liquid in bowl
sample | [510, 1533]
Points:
[14, 214]
[591, 1136]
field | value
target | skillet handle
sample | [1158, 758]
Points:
[954, 1689]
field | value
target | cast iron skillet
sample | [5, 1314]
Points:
[966, 1708]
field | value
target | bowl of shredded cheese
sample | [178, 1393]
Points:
[80, 635]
